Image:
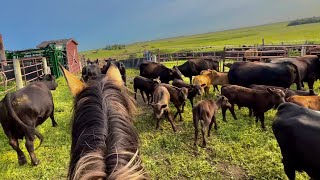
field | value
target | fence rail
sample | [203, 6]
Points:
[31, 69]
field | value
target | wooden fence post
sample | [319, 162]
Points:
[45, 65]
[303, 50]
[17, 73]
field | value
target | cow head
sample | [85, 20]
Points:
[277, 96]
[158, 109]
[195, 88]
[223, 102]
[175, 73]
[156, 81]
[50, 81]
[91, 71]
[183, 93]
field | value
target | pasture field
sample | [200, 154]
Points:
[239, 149]
[272, 33]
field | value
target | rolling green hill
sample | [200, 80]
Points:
[272, 34]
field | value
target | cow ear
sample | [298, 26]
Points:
[269, 90]
[113, 74]
[75, 85]
[152, 104]
[163, 106]
[97, 61]
[49, 77]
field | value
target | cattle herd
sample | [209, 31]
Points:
[258, 86]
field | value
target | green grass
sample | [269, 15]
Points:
[237, 150]
[272, 34]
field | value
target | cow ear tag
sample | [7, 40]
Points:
[75, 85]
[113, 74]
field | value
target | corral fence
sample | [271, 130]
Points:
[267, 52]
[236, 53]
[135, 63]
[16, 73]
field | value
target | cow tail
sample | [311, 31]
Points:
[14, 115]
[298, 78]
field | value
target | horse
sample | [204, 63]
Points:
[105, 144]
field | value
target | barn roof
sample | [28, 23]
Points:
[57, 42]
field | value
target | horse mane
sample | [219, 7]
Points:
[104, 141]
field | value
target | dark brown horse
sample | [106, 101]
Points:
[104, 141]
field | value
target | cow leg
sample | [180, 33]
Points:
[135, 93]
[206, 90]
[191, 102]
[262, 121]
[213, 120]
[231, 109]
[250, 112]
[14, 143]
[215, 87]
[203, 132]
[54, 123]
[190, 79]
[158, 123]
[169, 117]
[30, 148]
[310, 83]
[183, 104]
[195, 124]
[224, 110]
[288, 169]
[178, 112]
[148, 98]
[141, 92]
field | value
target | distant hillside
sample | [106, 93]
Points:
[272, 34]
[304, 21]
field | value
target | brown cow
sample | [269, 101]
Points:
[205, 111]
[203, 81]
[178, 96]
[258, 100]
[217, 78]
[160, 105]
[311, 102]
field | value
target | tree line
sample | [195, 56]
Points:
[115, 47]
[304, 21]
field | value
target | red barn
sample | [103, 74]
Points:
[70, 50]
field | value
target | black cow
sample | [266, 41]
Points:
[23, 110]
[308, 67]
[91, 71]
[120, 65]
[193, 90]
[154, 70]
[297, 130]
[282, 74]
[193, 67]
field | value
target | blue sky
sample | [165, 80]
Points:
[95, 23]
